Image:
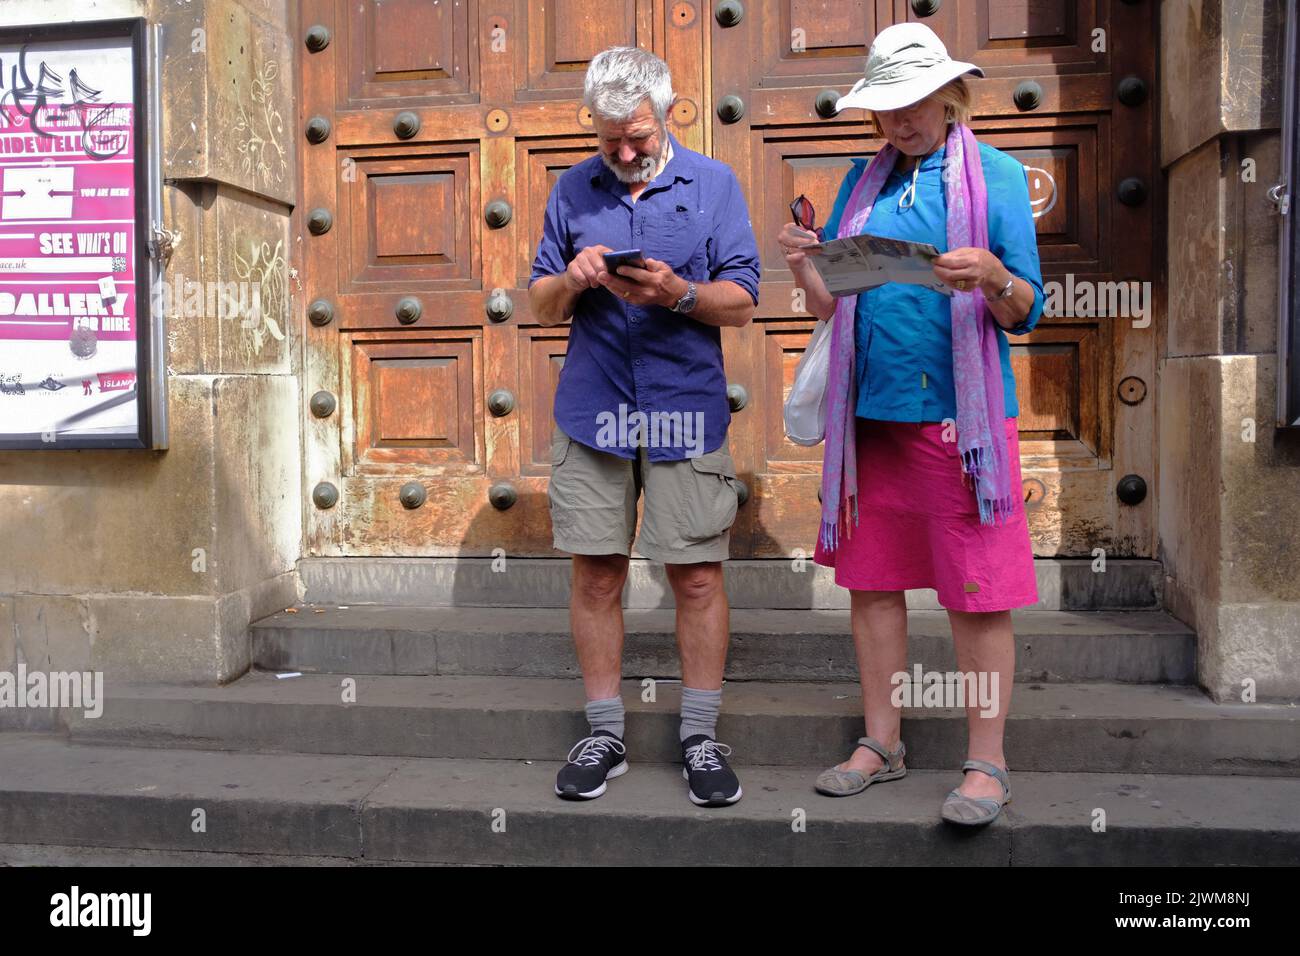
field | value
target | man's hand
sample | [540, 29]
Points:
[656, 284]
[585, 270]
[553, 298]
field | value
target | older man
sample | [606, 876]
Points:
[641, 407]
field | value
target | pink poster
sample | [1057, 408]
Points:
[68, 311]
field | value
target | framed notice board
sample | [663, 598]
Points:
[79, 359]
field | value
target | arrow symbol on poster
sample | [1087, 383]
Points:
[14, 192]
[61, 192]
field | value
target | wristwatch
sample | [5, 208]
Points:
[687, 301]
[1006, 291]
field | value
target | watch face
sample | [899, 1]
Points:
[687, 301]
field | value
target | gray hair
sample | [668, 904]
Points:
[619, 78]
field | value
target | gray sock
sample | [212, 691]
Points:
[700, 711]
[606, 715]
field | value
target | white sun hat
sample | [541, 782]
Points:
[906, 63]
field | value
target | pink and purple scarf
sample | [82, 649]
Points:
[976, 365]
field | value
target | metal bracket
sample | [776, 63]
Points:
[1280, 196]
[163, 243]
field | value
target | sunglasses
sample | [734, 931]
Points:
[805, 216]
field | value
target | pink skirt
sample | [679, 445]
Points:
[918, 524]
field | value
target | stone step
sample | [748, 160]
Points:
[1126, 646]
[71, 798]
[1051, 728]
[1064, 584]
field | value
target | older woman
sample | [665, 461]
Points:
[921, 474]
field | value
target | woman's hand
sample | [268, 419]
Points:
[818, 301]
[969, 268]
[792, 238]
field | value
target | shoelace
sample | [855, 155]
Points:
[704, 755]
[591, 750]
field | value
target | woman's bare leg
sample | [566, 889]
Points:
[879, 623]
[985, 645]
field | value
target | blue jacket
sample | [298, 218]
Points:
[625, 360]
[903, 336]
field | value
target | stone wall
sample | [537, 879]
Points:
[1229, 481]
[150, 564]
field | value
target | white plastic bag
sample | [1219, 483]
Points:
[805, 408]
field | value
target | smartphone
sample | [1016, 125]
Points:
[627, 257]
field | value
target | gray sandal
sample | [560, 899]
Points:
[844, 783]
[977, 811]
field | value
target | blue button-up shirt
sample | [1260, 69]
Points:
[622, 358]
[904, 332]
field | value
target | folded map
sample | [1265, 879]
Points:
[857, 263]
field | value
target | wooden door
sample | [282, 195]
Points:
[440, 129]
[1084, 382]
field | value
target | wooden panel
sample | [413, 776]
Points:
[1018, 37]
[576, 30]
[560, 38]
[786, 165]
[1051, 396]
[400, 52]
[409, 218]
[415, 403]
[784, 344]
[1065, 164]
[806, 39]
[816, 29]
[539, 163]
[407, 237]
[1061, 384]
[1033, 20]
[542, 356]
[412, 39]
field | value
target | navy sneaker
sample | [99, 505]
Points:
[591, 762]
[712, 783]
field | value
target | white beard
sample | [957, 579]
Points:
[645, 171]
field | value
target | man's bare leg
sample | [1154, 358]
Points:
[703, 622]
[596, 617]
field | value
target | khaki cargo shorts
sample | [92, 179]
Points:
[687, 515]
